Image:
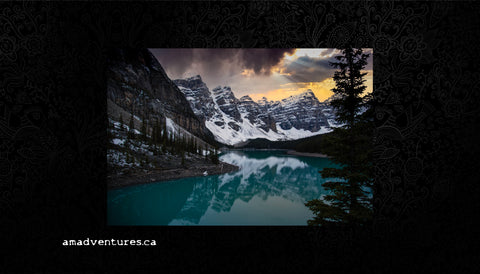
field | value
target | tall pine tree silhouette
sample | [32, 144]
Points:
[348, 146]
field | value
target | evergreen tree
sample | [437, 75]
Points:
[162, 136]
[128, 158]
[176, 143]
[153, 134]
[122, 126]
[164, 131]
[348, 146]
[131, 132]
[349, 85]
[171, 139]
[111, 127]
[214, 156]
[190, 144]
[154, 139]
[183, 158]
[158, 132]
[143, 130]
[183, 144]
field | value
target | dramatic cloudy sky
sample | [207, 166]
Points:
[273, 73]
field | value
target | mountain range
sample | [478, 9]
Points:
[234, 121]
[138, 86]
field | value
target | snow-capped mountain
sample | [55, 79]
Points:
[227, 117]
[234, 121]
[256, 115]
[302, 111]
[198, 95]
[226, 101]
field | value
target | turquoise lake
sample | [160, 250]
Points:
[270, 188]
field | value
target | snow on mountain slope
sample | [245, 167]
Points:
[230, 131]
[294, 133]
[229, 119]
[177, 130]
[301, 111]
[231, 125]
[233, 120]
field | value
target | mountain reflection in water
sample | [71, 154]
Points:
[269, 189]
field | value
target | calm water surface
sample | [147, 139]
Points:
[270, 188]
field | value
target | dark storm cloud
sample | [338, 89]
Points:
[308, 69]
[212, 61]
[313, 69]
[224, 67]
[262, 60]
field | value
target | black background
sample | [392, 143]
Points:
[53, 135]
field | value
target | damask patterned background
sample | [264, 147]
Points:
[53, 137]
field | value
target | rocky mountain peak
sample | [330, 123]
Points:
[246, 98]
[227, 102]
[194, 82]
[194, 78]
[262, 101]
[309, 92]
[306, 95]
[224, 90]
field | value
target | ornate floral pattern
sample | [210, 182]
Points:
[52, 118]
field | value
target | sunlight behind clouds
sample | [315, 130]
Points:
[271, 73]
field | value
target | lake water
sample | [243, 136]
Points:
[270, 188]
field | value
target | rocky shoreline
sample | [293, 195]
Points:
[307, 154]
[156, 175]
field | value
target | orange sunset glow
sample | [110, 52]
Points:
[272, 73]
